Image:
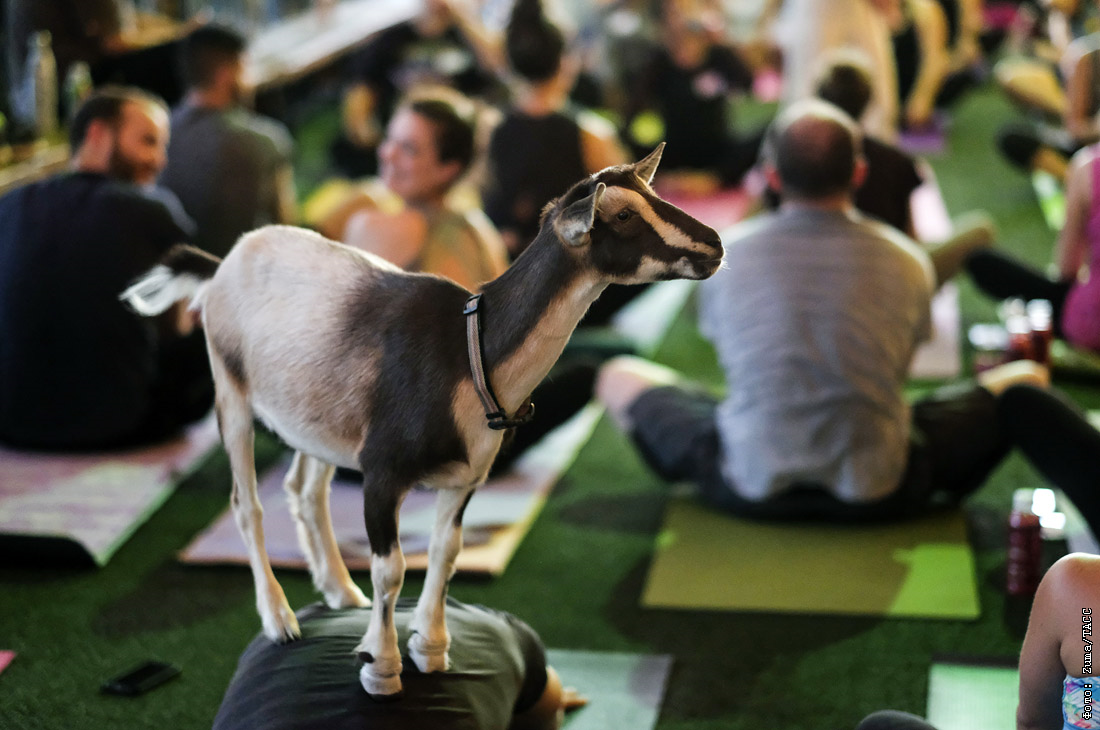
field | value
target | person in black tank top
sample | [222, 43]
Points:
[544, 144]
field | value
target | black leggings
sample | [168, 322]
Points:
[1003, 277]
[1053, 434]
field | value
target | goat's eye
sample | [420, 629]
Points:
[623, 215]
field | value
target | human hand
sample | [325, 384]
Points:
[571, 699]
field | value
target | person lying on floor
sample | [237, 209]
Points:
[815, 316]
[498, 679]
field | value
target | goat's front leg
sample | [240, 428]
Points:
[430, 641]
[307, 486]
[235, 421]
[380, 674]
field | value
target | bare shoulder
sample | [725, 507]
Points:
[1071, 586]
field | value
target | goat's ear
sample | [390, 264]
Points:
[575, 222]
[645, 169]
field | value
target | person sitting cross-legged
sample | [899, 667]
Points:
[815, 316]
[230, 167]
[78, 370]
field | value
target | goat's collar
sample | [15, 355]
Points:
[498, 419]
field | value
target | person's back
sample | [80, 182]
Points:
[544, 143]
[230, 168]
[498, 675]
[464, 247]
[77, 369]
[532, 160]
[816, 317]
[225, 166]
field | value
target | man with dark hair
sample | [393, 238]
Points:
[892, 175]
[77, 369]
[815, 318]
[231, 168]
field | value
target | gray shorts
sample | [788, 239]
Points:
[955, 442]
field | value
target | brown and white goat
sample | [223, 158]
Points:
[356, 363]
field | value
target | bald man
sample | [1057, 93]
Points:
[815, 317]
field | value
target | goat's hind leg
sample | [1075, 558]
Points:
[380, 674]
[235, 421]
[307, 486]
[430, 641]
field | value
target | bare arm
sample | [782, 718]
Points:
[931, 27]
[967, 48]
[1079, 93]
[487, 45]
[398, 238]
[1059, 29]
[1041, 666]
[548, 713]
[1069, 255]
[358, 113]
[768, 13]
[600, 145]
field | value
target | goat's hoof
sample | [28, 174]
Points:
[349, 596]
[280, 624]
[380, 688]
[429, 657]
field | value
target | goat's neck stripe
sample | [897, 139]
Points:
[493, 412]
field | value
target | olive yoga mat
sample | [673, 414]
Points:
[706, 560]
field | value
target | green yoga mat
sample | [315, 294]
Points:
[973, 695]
[1052, 198]
[706, 560]
[624, 691]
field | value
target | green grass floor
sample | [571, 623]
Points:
[576, 578]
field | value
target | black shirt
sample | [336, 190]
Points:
[76, 365]
[891, 179]
[498, 668]
[532, 160]
[694, 103]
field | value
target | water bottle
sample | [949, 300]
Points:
[1039, 317]
[78, 87]
[1025, 547]
[43, 69]
[1020, 345]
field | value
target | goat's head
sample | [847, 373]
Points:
[627, 233]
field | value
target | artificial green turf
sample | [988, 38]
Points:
[576, 578]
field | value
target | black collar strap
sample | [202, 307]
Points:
[498, 420]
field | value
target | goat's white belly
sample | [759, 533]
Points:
[316, 442]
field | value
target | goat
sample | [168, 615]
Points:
[355, 363]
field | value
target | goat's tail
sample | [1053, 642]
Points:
[181, 274]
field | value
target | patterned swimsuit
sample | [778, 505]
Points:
[1079, 710]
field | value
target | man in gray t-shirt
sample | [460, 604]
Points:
[815, 317]
[230, 168]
